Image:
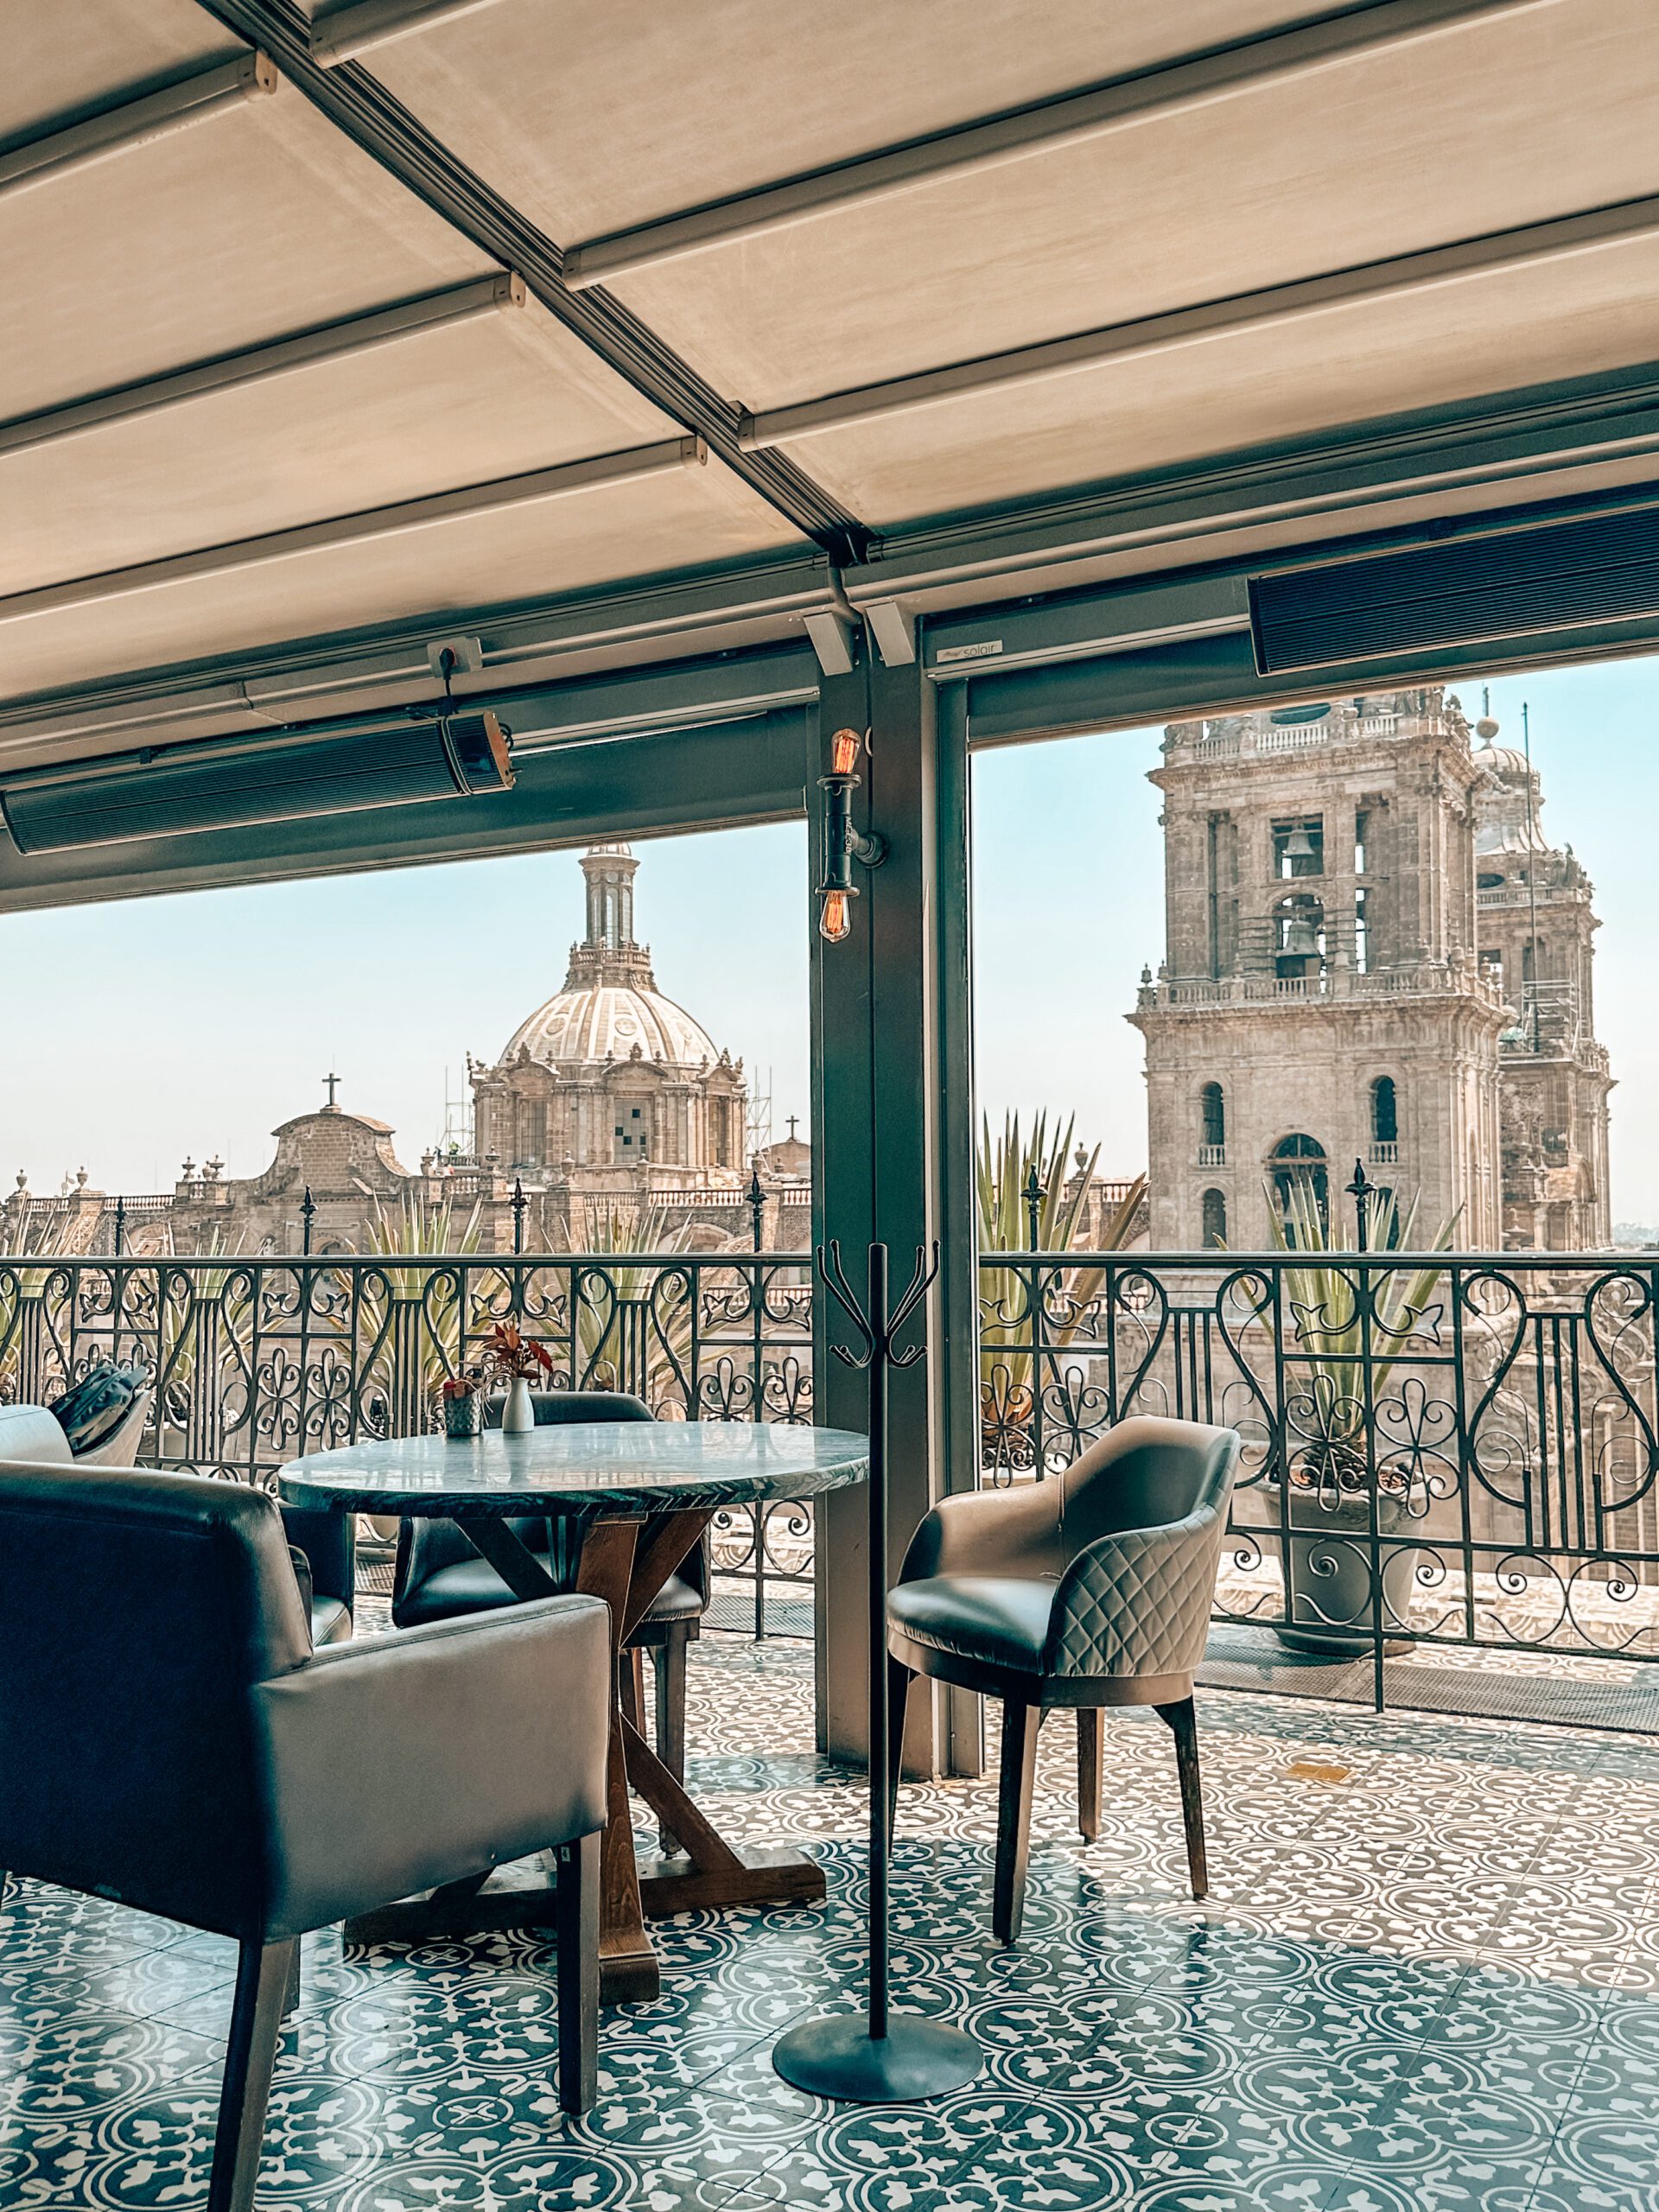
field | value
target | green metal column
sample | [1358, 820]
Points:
[892, 1150]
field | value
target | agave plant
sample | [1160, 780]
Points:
[417, 1228]
[204, 1319]
[413, 1314]
[1330, 1336]
[1021, 1181]
[27, 1234]
[603, 1319]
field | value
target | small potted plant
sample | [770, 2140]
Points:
[512, 1357]
[462, 1407]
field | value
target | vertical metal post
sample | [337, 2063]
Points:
[1532, 879]
[120, 1227]
[888, 2057]
[1360, 1191]
[955, 1379]
[1034, 1195]
[881, 1818]
[757, 1207]
[307, 1215]
[519, 1202]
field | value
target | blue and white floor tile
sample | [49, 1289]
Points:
[1427, 1980]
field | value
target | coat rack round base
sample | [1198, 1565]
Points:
[837, 2056]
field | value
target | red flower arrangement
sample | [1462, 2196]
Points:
[509, 1353]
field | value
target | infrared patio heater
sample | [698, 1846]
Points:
[240, 783]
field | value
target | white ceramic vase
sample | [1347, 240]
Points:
[517, 1415]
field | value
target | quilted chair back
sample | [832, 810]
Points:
[1144, 1474]
[1145, 1512]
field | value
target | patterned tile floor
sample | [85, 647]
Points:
[1430, 1985]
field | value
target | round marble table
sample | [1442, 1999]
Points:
[626, 1502]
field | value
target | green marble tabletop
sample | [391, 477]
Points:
[633, 1467]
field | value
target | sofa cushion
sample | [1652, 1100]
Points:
[1000, 1620]
[471, 1586]
[29, 1436]
[330, 1621]
[92, 1409]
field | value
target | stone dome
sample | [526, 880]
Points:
[601, 1022]
[609, 1007]
[1503, 761]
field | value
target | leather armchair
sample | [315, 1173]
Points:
[1088, 1590]
[323, 1546]
[232, 1778]
[32, 1433]
[440, 1577]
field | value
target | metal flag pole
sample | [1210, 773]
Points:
[886, 2057]
[1532, 871]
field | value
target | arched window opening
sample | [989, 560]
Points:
[1212, 1111]
[1385, 1111]
[1301, 1189]
[1215, 1219]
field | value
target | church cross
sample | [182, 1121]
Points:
[333, 1082]
[792, 1119]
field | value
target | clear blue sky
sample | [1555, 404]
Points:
[139, 1032]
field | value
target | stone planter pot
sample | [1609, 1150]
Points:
[1330, 1597]
[462, 1417]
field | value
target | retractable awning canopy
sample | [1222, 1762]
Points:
[380, 324]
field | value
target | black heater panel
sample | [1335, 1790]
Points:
[180, 791]
[1513, 584]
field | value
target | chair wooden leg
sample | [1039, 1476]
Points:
[576, 1909]
[632, 1684]
[1019, 1725]
[899, 1681]
[1090, 1771]
[262, 1981]
[1184, 1721]
[668, 1664]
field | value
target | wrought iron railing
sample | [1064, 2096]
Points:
[256, 1361]
[1448, 1447]
[1445, 1447]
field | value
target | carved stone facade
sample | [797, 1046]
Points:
[345, 1160]
[1537, 924]
[1341, 983]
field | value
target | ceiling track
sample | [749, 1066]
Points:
[361, 107]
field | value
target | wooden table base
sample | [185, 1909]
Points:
[626, 1563]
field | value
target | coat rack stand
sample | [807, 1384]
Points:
[884, 2058]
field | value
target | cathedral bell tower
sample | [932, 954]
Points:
[1322, 1000]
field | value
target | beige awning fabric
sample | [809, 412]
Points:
[887, 263]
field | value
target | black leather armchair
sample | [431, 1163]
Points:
[170, 1738]
[1090, 1589]
[440, 1577]
[324, 1546]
